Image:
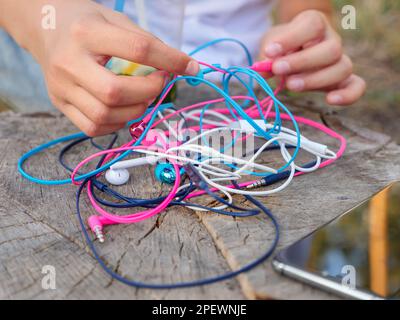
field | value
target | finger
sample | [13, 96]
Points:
[114, 90]
[98, 112]
[305, 28]
[320, 79]
[133, 46]
[349, 91]
[321, 55]
[85, 124]
[266, 75]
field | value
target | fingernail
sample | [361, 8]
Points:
[273, 49]
[281, 67]
[296, 84]
[192, 68]
[336, 99]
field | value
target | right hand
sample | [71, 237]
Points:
[73, 57]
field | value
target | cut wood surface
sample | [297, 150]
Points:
[38, 224]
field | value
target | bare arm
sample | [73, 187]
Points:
[21, 19]
[288, 9]
[73, 55]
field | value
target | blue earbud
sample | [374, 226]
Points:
[195, 82]
[165, 173]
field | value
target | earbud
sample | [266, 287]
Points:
[118, 173]
[125, 164]
[117, 177]
[165, 173]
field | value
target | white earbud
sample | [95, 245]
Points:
[117, 177]
[118, 174]
[125, 164]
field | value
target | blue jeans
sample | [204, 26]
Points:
[22, 84]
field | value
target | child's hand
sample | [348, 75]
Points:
[73, 57]
[309, 52]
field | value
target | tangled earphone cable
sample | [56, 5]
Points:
[194, 283]
[185, 159]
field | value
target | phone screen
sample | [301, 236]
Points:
[360, 248]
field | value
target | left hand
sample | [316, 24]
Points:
[309, 52]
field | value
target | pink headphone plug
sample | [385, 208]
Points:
[97, 227]
[262, 66]
[96, 224]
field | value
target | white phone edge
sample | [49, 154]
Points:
[321, 282]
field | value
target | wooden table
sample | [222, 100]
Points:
[38, 225]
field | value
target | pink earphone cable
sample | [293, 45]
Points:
[107, 218]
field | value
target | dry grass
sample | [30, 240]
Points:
[375, 49]
[4, 106]
[377, 34]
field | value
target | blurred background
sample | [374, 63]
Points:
[375, 48]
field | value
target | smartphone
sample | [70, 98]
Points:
[357, 255]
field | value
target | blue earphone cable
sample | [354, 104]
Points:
[236, 110]
[119, 5]
[201, 282]
[194, 283]
[55, 142]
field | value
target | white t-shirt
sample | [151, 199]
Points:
[207, 20]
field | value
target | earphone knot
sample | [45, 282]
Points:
[195, 81]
